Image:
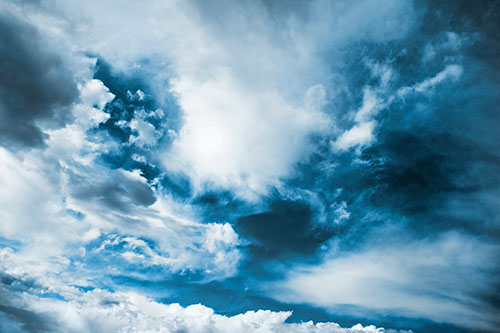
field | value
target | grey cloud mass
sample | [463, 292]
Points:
[35, 87]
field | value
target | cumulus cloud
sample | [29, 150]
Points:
[253, 89]
[99, 310]
[71, 197]
[45, 300]
[95, 93]
[249, 117]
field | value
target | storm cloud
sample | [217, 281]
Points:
[35, 86]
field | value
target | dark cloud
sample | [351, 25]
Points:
[286, 229]
[29, 321]
[119, 193]
[437, 157]
[221, 206]
[17, 284]
[34, 85]
[14, 318]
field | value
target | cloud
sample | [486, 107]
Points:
[113, 202]
[252, 111]
[95, 93]
[71, 195]
[99, 310]
[359, 135]
[119, 192]
[285, 230]
[35, 85]
[450, 72]
[362, 134]
[208, 148]
[252, 92]
[408, 277]
[376, 99]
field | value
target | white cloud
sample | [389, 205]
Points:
[362, 133]
[94, 92]
[30, 210]
[251, 82]
[147, 135]
[97, 310]
[103, 311]
[451, 72]
[59, 199]
[376, 99]
[254, 92]
[411, 278]
[359, 135]
[239, 139]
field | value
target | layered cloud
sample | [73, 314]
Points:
[421, 278]
[100, 310]
[35, 302]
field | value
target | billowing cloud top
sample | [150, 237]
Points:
[265, 166]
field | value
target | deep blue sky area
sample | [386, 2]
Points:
[264, 166]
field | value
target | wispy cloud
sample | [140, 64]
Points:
[393, 274]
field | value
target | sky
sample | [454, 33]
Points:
[249, 166]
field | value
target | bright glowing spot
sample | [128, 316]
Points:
[208, 140]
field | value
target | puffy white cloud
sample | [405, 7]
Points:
[60, 200]
[144, 133]
[254, 93]
[94, 92]
[245, 141]
[103, 311]
[28, 288]
[250, 80]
